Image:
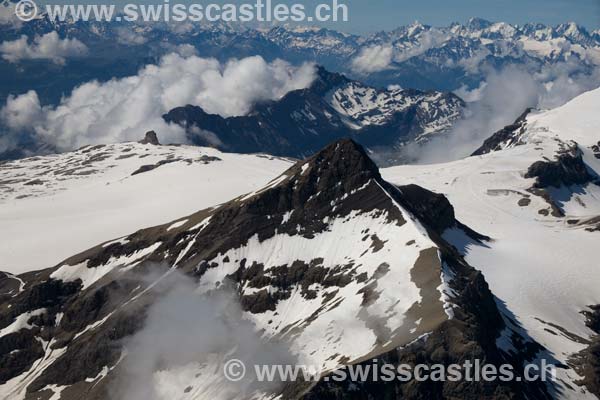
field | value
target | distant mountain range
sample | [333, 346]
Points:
[395, 89]
[415, 56]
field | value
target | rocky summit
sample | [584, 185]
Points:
[323, 254]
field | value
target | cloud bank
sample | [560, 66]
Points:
[47, 47]
[128, 36]
[380, 57]
[7, 15]
[499, 100]
[123, 109]
[425, 41]
[373, 59]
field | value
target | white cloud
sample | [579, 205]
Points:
[47, 47]
[21, 111]
[498, 101]
[564, 81]
[184, 50]
[471, 95]
[123, 109]
[473, 64]
[425, 41]
[183, 329]
[130, 36]
[373, 59]
[380, 57]
[208, 136]
[7, 15]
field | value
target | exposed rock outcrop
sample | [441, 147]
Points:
[567, 169]
[588, 361]
[150, 138]
[505, 137]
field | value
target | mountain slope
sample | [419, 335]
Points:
[325, 254]
[68, 202]
[533, 190]
[332, 108]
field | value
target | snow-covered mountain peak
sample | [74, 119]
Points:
[324, 254]
[573, 31]
[327, 177]
[361, 106]
[415, 28]
[534, 188]
[576, 120]
[476, 23]
[341, 160]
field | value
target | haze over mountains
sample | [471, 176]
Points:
[416, 56]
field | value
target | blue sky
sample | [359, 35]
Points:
[373, 15]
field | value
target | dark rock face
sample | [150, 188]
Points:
[150, 167]
[18, 351]
[303, 121]
[591, 367]
[596, 150]
[509, 135]
[568, 169]
[432, 208]
[150, 138]
[261, 131]
[9, 285]
[593, 318]
[588, 361]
